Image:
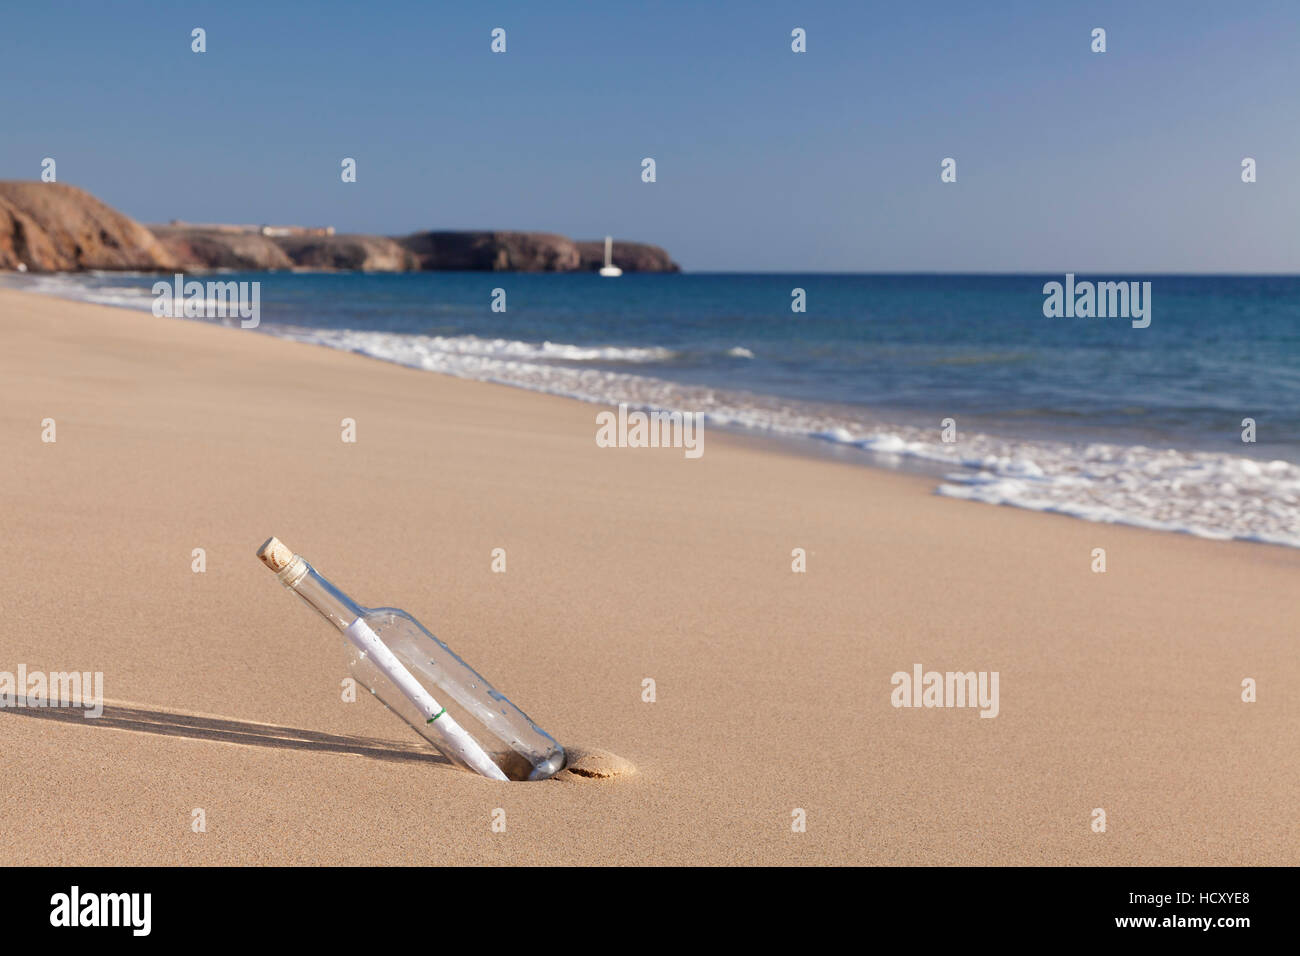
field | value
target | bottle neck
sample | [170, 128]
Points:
[331, 603]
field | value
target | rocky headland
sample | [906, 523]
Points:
[53, 227]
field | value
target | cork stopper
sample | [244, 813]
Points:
[275, 555]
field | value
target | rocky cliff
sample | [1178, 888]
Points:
[494, 251]
[49, 227]
[197, 249]
[361, 253]
[530, 252]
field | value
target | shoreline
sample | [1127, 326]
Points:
[1119, 690]
[996, 462]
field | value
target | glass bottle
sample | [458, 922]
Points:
[417, 677]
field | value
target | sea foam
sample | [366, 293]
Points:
[1206, 493]
[1210, 494]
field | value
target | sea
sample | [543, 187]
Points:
[961, 377]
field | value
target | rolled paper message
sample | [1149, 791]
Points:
[456, 740]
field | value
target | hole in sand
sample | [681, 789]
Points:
[592, 763]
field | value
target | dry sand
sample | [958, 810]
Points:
[1119, 690]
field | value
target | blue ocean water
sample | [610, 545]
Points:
[1087, 416]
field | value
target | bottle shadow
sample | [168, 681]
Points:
[225, 730]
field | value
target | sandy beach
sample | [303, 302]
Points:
[1119, 691]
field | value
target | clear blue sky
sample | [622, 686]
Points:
[767, 160]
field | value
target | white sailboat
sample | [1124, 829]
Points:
[610, 270]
